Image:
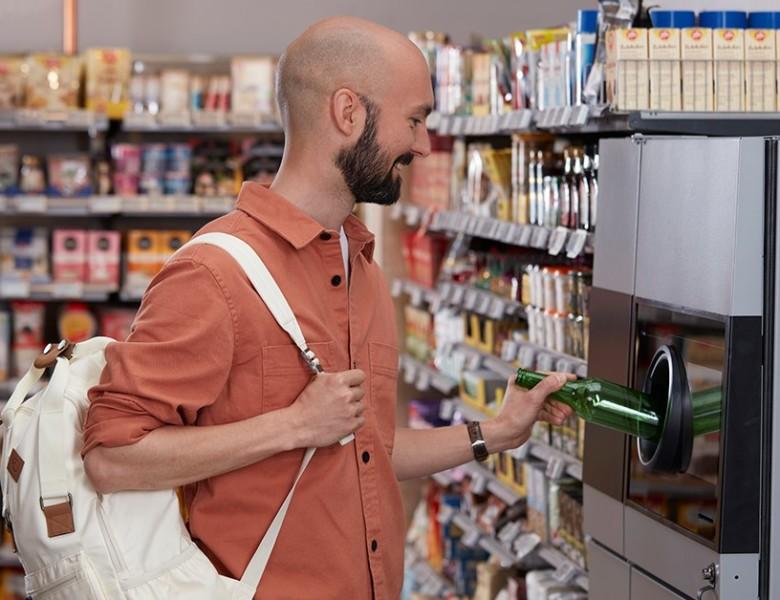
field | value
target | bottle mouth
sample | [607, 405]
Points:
[666, 385]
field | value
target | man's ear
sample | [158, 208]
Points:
[346, 111]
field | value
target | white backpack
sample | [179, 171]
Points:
[76, 544]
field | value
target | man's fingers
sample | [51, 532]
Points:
[549, 385]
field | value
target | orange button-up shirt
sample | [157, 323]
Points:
[204, 350]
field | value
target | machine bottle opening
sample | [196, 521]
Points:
[664, 416]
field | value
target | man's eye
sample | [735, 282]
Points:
[416, 122]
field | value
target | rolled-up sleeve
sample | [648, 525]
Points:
[175, 362]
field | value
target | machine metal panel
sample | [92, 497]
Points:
[603, 518]
[615, 243]
[645, 588]
[608, 575]
[747, 290]
[774, 533]
[690, 190]
[609, 358]
[678, 560]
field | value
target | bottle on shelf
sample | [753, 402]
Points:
[623, 409]
[585, 193]
[594, 187]
[566, 188]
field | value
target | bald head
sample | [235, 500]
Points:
[342, 52]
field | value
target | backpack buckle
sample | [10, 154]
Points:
[311, 360]
[48, 358]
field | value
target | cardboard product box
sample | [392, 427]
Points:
[104, 250]
[11, 83]
[428, 253]
[728, 54]
[697, 69]
[477, 387]
[253, 84]
[632, 69]
[170, 242]
[143, 258]
[24, 254]
[69, 255]
[665, 78]
[760, 70]
[52, 81]
[480, 84]
[28, 328]
[107, 80]
[174, 91]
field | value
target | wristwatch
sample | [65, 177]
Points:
[477, 441]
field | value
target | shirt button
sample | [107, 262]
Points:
[374, 545]
[335, 281]
[325, 236]
[366, 457]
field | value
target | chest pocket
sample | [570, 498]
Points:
[383, 360]
[286, 374]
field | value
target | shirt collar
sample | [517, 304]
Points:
[294, 225]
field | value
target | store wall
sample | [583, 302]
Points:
[232, 26]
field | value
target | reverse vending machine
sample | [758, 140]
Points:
[683, 309]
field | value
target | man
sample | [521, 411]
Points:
[209, 393]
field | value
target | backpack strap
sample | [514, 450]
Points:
[274, 299]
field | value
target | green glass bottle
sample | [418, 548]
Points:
[603, 403]
[623, 409]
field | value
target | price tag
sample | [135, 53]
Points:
[494, 124]
[555, 468]
[435, 303]
[105, 205]
[14, 288]
[565, 573]
[423, 380]
[447, 409]
[558, 240]
[458, 124]
[416, 296]
[508, 350]
[579, 116]
[539, 239]
[521, 452]
[397, 288]
[470, 299]
[470, 538]
[478, 483]
[565, 116]
[458, 294]
[180, 119]
[524, 239]
[32, 204]
[504, 122]
[576, 243]
[494, 226]
[526, 357]
[509, 533]
[484, 227]
[545, 362]
[473, 225]
[483, 303]
[497, 308]
[504, 231]
[473, 361]
[410, 373]
[564, 365]
[72, 291]
[433, 121]
[412, 215]
[436, 221]
[582, 370]
[525, 544]
[445, 515]
[444, 290]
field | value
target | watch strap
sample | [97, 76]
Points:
[477, 441]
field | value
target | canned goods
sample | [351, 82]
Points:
[548, 281]
[560, 326]
[549, 329]
[563, 295]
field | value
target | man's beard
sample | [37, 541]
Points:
[364, 165]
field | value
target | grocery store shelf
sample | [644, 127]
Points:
[54, 292]
[182, 206]
[482, 477]
[558, 463]
[431, 582]
[477, 300]
[580, 120]
[424, 377]
[566, 572]
[206, 122]
[52, 121]
[418, 294]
